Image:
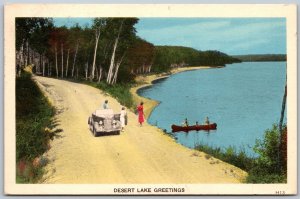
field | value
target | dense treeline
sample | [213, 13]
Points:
[262, 58]
[167, 57]
[109, 51]
[98, 53]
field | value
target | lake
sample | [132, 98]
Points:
[244, 99]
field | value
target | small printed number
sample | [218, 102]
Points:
[280, 192]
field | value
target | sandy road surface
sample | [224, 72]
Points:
[138, 155]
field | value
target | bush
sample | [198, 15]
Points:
[268, 150]
[230, 155]
[119, 91]
[33, 116]
[260, 178]
[270, 166]
[267, 167]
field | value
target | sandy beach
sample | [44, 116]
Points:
[138, 155]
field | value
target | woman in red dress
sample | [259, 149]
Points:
[140, 110]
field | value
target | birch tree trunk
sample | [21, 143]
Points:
[30, 56]
[117, 70]
[48, 69]
[96, 70]
[67, 67]
[279, 161]
[22, 54]
[73, 67]
[43, 64]
[97, 35]
[86, 70]
[62, 60]
[100, 74]
[76, 72]
[282, 109]
[39, 63]
[150, 66]
[116, 73]
[279, 164]
[56, 67]
[27, 53]
[112, 61]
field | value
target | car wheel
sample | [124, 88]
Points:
[94, 132]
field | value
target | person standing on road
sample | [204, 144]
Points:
[140, 110]
[105, 105]
[123, 118]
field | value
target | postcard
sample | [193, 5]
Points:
[150, 99]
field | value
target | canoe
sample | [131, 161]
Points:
[206, 127]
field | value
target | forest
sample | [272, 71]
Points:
[261, 58]
[108, 51]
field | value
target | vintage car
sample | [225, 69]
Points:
[104, 121]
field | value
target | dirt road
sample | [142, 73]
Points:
[138, 155]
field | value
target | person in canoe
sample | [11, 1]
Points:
[197, 123]
[206, 121]
[185, 123]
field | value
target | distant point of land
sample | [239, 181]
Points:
[261, 57]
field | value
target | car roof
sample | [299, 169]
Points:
[103, 112]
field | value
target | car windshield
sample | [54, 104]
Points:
[104, 113]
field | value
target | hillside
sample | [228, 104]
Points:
[167, 57]
[261, 57]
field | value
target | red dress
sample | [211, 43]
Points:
[140, 110]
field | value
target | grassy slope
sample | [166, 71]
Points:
[33, 115]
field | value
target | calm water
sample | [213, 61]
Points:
[244, 99]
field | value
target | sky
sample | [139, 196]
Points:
[234, 36]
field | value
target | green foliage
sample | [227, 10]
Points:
[118, 45]
[268, 150]
[270, 166]
[34, 30]
[258, 177]
[33, 125]
[141, 53]
[230, 155]
[179, 56]
[262, 58]
[119, 91]
[27, 173]
[262, 169]
[167, 56]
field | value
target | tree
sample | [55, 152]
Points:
[140, 56]
[99, 24]
[53, 40]
[74, 38]
[58, 38]
[32, 34]
[280, 126]
[122, 32]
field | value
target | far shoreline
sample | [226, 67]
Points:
[144, 81]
